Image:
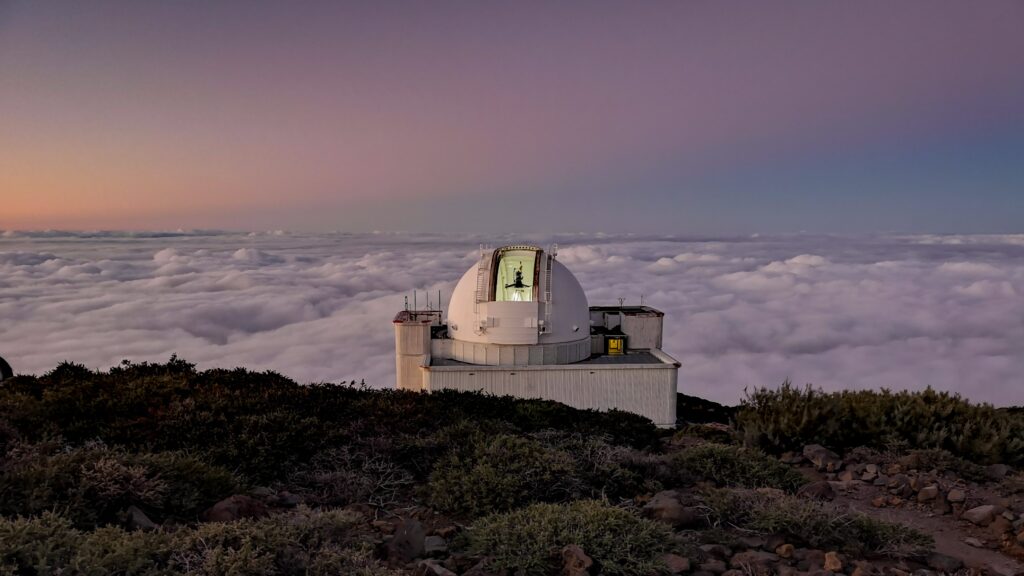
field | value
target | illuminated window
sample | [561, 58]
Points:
[515, 278]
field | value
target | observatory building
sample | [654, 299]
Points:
[519, 324]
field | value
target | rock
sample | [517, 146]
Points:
[832, 562]
[823, 459]
[809, 559]
[716, 551]
[941, 505]
[751, 542]
[878, 502]
[981, 515]
[482, 568]
[997, 471]
[974, 542]
[676, 564]
[791, 458]
[820, 490]
[286, 499]
[1000, 526]
[784, 551]
[753, 558]
[714, 566]
[434, 545]
[928, 493]
[446, 531]
[956, 495]
[137, 520]
[408, 543]
[666, 507]
[235, 508]
[944, 563]
[575, 561]
[432, 568]
[261, 492]
[847, 476]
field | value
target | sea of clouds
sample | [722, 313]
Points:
[838, 312]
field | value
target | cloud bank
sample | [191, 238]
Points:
[902, 312]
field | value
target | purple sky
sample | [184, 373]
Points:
[692, 117]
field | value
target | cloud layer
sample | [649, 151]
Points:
[838, 312]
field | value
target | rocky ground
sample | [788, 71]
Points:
[977, 524]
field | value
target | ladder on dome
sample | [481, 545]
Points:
[483, 277]
[547, 287]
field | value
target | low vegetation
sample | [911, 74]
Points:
[736, 466]
[303, 542]
[115, 472]
[812, 523]
[789, 417]
[527, 540]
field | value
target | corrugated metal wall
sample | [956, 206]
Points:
[649, 390]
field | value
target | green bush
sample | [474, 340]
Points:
[605, 471]
[736, 466]
[526, 539]
[937, 459]
[497, 473]
[790, 417]
[94, 484]
[812, 523]
[303, 542]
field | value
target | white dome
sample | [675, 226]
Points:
[518, 295]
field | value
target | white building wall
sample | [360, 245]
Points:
[648, 390]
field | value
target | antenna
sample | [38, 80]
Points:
[641, 299]
[406, 302]
[414, 307]
[621, 301]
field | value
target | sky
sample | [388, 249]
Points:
[683, 117]
[837, 312]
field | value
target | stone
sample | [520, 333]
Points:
[286, 499]
[751, 542]
[666, 507]
[832, 562]
[956, 495]
[784, 551]
[941, 505]
[434, 545]
[791, 458]
[753, 558]
[974, 542]
[481, 568]
[997, 471]
[137, 519]
[928, 493]
[575, 561]
[235, 508]
[847, 476]
[261, 492]
[432, 568]
[408, 543]
[820, 490]
[944, 563]
[1000, 526]
[714, 566]
[824, 460]
[878, 502]
[675, 563]
[981, 515]
[716, 551]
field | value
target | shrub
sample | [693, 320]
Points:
[812, 523]
[937, 459]
[303, 542]
[526, 539]
[496, 473]
[736, 466]
[790, 417]
[93, 484]
[346, 475]
[603, 470]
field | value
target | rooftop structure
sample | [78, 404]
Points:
[519, 323]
